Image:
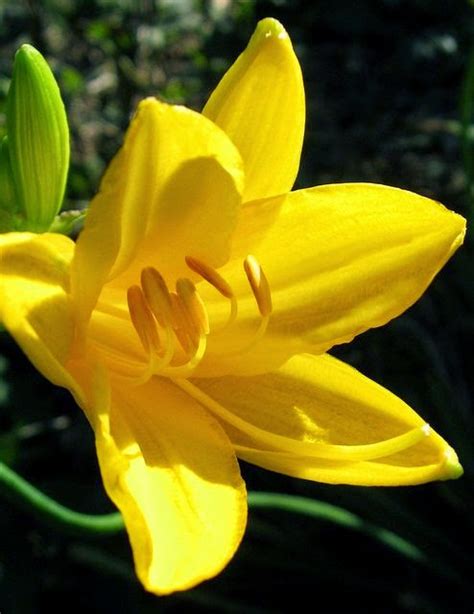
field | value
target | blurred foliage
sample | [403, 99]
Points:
[384, 86]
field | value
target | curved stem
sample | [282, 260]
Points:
[31, 499]
[342, 517]
[336, 515]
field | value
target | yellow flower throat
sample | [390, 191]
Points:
[173, 327]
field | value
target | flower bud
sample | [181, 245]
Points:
[8, 204]
[38, 140]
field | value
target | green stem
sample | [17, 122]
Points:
[342, 517]
[17, 490]
[336, 515]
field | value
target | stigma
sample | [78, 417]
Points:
[173, 325]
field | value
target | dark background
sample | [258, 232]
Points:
[390, 95]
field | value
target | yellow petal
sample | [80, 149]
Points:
[356, 474]
[319, 419]
[170, 469]
[260, 104]
[339, 259]
[34, 305]
[174, 184]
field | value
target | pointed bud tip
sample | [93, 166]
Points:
[27, 49]
[26, 55]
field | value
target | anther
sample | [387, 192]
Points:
[181, 325]
[193, 305]
[182, 317]
[178, 312]
[142, 319]
[259, 284]
[210, 275]
[157, 295]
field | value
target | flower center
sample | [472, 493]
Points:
[173, 326]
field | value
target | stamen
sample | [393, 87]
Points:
[157, 295]
[193, 305]
[261, 291]
[210, 275]
[259, 284]
[181, 324]
[193, 343]
[218, 282]
[337, 452]
[186, 369]
[182, 317]
[143, 320]
[145, 325]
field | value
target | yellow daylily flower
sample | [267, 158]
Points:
[192, 317]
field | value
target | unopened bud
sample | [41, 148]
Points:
[8, 204]
[38, 140]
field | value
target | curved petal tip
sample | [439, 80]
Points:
[452, 469]
[269, 27]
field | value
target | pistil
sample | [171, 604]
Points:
[317, 449]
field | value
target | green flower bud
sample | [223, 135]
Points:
[8, 204]
[38, 140]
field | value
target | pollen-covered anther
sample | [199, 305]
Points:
[210, 275]
[181, 324]
[161, 318]
[157, 296]
[142, 319]
[259, 284]
[193, 305]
